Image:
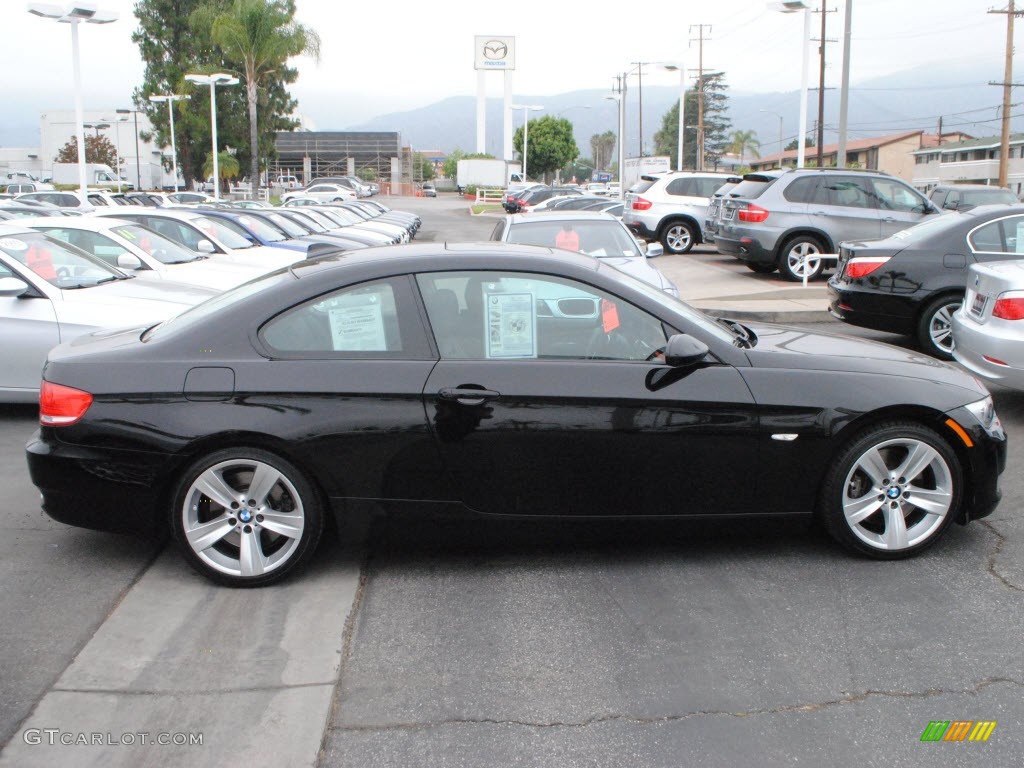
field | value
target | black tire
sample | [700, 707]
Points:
[762, 269]
[247, 542]
[877, 516]
[797, 248]
[935, 328]
[678, 237]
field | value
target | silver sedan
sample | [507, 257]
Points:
[988, 329]
[51, 292]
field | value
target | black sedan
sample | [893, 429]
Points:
[500, 380]
[912, 282]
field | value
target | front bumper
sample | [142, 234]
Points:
[985, 462]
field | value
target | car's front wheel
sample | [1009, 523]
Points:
[678, 237]
[801, 257]
[245, 517]
[892, 491]
[935, 326]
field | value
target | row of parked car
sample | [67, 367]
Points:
[903, 261]
[63, 274]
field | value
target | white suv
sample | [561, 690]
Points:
[671, 207]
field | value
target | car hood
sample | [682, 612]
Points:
[261, 256]
[780, 346]
[126, 302]
[210, 272]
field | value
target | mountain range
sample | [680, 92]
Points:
[910, 100]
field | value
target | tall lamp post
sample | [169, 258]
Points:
[526, 127]
[72, 15]
[138, 153]
[617, 98]
[170, 98]
[219, 78]
[681, 68]
[117, 145]
[792, 6]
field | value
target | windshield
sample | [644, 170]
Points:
[263, 230]
[156, 245]
[319, 220]
[226, 232]
[60, 264]
[289, 225]
[595, 238]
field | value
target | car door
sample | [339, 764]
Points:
[28, 330]
[899, 205]
[845, 207]
[551, 397]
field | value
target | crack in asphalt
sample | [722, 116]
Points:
[781, 709]
[991, 565]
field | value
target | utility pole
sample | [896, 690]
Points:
[640, 97]
[1004, 144]
[821, 89]
[700, 92]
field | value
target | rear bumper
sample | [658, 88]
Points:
[104, 490]
[746, 249]
[975, 343]
[872, 310]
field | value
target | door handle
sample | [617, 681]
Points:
[468, 395]
[819, 213]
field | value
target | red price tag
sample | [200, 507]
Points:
[609, 315]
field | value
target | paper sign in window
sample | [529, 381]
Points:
[511, 325]
[609, 315]
[1019, 244]
[358, 327]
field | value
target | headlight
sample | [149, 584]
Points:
[985, 412]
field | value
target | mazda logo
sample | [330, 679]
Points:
[495, 50]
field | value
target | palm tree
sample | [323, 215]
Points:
[227, 167]
[744, 142]
[261, 35]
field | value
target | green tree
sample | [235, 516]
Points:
[227, 167]
[742, 143]
[808, 142]
[98, 149]
[259, 36]
[551, 145]
[602, 145]
[716, 125]
[450, 168]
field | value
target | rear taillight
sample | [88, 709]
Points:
[1009, 306]
[752, 213]
[863, 265]
[61, 406]
[639, 204]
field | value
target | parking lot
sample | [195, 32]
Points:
[416, 642]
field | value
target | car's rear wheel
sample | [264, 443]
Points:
[935, 326]
[801, 255]
[246, 517]
[677, 237]
[762, 269]
[893, 491]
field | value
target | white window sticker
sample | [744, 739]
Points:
[1019, 244]
[511, 325]
[358, 327]
[10, 244]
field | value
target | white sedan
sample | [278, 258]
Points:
[142, 251]
[988, 329]
[324, 193]
[50, 293]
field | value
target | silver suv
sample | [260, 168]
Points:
[786, 219]
[671, 207]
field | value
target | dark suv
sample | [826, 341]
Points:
[787, 219]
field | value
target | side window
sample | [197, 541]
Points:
[845, 191]
[893, 196]
[988, 239]
[707, 187]
[359, 321]
[801, 190]
[519, 315]
[683, 186]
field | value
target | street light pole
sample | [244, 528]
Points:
[772, 112]
[138, 152]
[213, 81]
[672, 67]
[117, 146]
[170, 98]
[526, 127]
[73, 14]
[617, 98]
[792, 6]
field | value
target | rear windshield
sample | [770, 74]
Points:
[642, 186]
[987, 196]
[752, 186]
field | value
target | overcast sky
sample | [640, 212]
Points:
[395, 55]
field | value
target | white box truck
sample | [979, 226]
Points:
[486, 173]
[96, 175]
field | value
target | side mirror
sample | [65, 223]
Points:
[684, 351]
[654, 249]
[128, 261]
[12, 287]
[205, 246]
